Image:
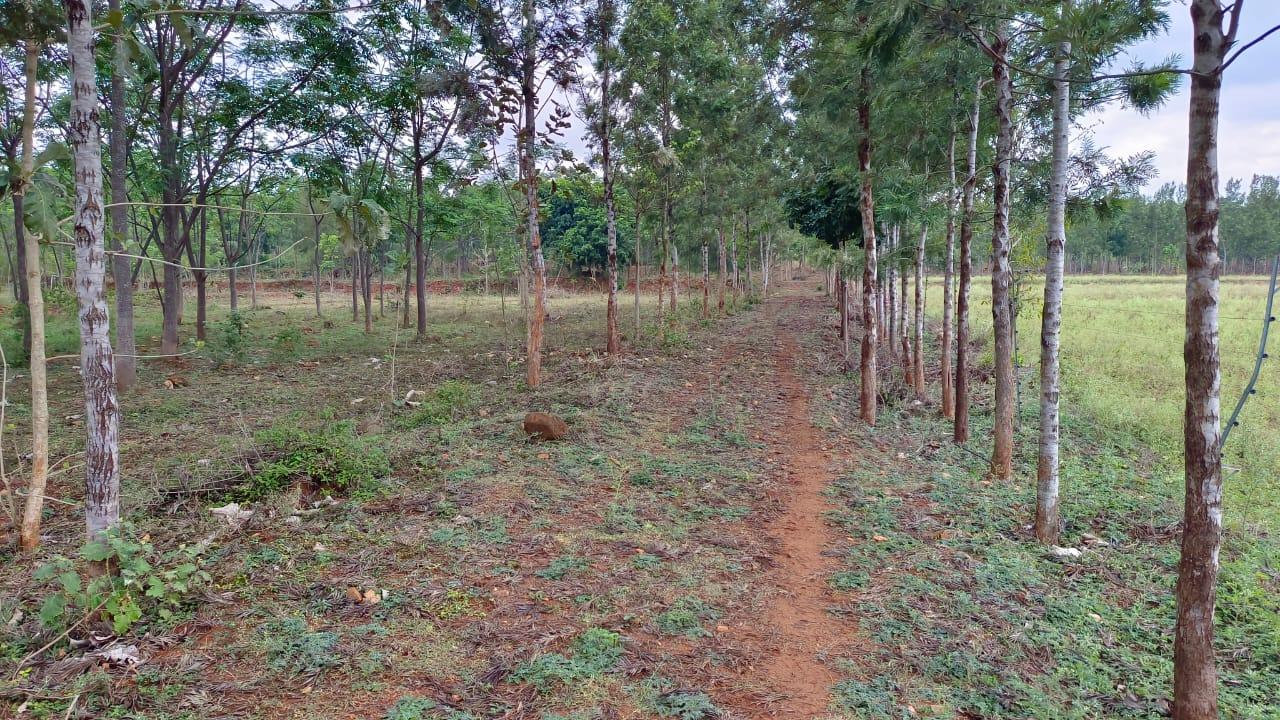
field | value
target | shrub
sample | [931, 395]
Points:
[146, 584]
[230, 344]
[334, 459]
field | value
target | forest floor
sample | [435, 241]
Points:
[717, 537]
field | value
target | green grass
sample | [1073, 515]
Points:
[1122, 366]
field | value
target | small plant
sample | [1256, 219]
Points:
[288, 340]
[145, 583]
[231, 345]
[686, 706]
[291, 645]
[561, 566]
[416, 708]
[333, 459]
[685, 617]
[595, 652]
[447, 403]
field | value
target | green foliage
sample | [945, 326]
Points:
[594, 653]
[558, 568]
[231, 342]
[685, 706]
[293, 646]
[415, 708]
[575, 227]
[145, 585]
[333, 459]
[288, 340]
[446, 403]
[686, 617]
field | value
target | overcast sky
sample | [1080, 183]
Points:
[1249, 138]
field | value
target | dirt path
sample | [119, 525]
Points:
[804, 632]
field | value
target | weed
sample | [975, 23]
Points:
[146, 582]
[230, 345]
[292, 645]
[415, 708]
[594, 653]
[685, 617]
[447, 403]
[558, 568]
[686, 706]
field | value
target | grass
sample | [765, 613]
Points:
[504, 573]
[1122, 366]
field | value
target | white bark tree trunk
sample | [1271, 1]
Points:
[1047, 522]
[29, 536]
[1195, 678]
[97, 366]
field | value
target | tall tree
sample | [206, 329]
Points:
[1195, 680]
[97, 366]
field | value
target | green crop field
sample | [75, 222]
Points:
[1122, 367]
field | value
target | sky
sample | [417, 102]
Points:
[1249, 134]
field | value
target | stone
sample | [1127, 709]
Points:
[544, 426]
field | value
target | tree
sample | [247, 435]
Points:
[1195, 680]
[526, 44]
[34, 22]
[97, 366]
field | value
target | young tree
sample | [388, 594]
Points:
[528, 43]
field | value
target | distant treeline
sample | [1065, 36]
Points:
[1147, 234]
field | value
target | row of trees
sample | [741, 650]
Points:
[892, 130]
[239, 136]
[1143, 234]
[964, 112]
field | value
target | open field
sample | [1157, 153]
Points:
[1122, 367]
[717, 538]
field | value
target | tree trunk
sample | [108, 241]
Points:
[918, 352]
[30, 532]
[868, 397]
[317, 256]
[891, 296]
[125, 347]
[724, 275]
[733, 256]
[1047, 522]
[966, 270]
[635, 262]
[1001, 272]
[355, 283]
[97, 366]
[948, 282]
[201, 278]
[366, 286]
[233, 289]
[612, 344]
[420, 252]
[1195, 681]
[529, 174]
[706, 280]
[406, 307]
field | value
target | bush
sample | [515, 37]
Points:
[334, 459]
[146, 584]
